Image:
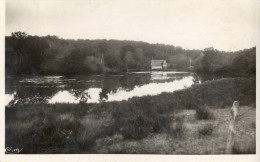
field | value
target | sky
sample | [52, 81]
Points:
[227, 25]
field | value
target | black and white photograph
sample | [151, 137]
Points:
[135, 77]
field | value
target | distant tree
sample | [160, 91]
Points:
[18, 44]
[36, 48]
[140, 58]
[179, 61]
[53, 38]
[103, 46]
[112, 59]
[29, 50]
[245, 62]
[19, 35]
[74, 62]
[129, 60]
[93, 64]
[125, 49]
[208, 59]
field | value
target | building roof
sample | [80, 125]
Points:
[157, 62]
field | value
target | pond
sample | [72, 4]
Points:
[93, 88]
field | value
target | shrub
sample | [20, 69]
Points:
[204, 113]
[180, 124]
[136, 128]
[206, 130]
[179, 127]
[135, 120]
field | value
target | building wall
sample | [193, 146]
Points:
[156, 67]
[164, 65]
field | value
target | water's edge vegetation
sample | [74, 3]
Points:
[77, 128]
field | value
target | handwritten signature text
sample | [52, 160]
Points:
[11, 150]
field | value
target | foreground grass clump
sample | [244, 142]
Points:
[75, 128]
[204, 113]
[206, 130]
[179, 127]
[249, 148]
[135, 120]
[55, 128]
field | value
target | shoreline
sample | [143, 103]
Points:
[194, 87]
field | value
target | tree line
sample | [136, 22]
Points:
[49, 55]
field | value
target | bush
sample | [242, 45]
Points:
[135, 120]
[206, 130]
[204, 113]
[179, 127]
[136, 128]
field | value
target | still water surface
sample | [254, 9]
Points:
[93, 88]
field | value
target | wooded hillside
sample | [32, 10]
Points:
[49, 55]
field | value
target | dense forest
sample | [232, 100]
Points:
[49, 55]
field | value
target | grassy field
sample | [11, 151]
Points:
[190, 141]
[190, 121]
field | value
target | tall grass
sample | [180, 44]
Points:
[206, 130]
[204, 112]
[59, 128]
[242, 148]
[179, 127]
[74, 128]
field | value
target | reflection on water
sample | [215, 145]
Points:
[8, 98]
[151, 89]
[94, 88]
[66, 96]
